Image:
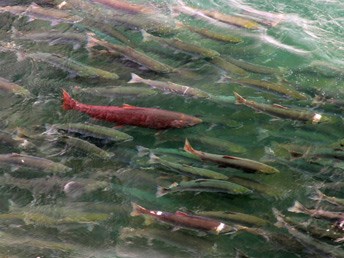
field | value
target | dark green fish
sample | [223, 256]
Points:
[231, 161]
[116, 91]
[33, 162]
[204, 185]
[181, 45]
[283, 112]
[186, 169]
[94, 131]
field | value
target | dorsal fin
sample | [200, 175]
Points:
[127, 106]
[279, 106]
[230, 157]
[181, 213]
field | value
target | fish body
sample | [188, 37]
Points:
[131, 115]
[85, 146]
[214, 35]
[181, 45]
[34, 11]
[281, 111]
[185, 220]
[219, 144]
[94, 131]
[170, 87]
[331, 199]
[186, 169]
[126, 6]
[232, 161]
[132, 54]
[13, 88]
[317, 247]
[117, 91]
[271, 86]
[234, 217]
[233, 20]
[42, 164]
[228, 66]
[72, 66]
[54, 37]
[318, 213]
[142, 151]
[205, 185]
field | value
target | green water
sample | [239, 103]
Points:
[306, 48]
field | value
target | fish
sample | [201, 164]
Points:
[71, 66]
[13, 88]
[116, 91]
[142, 151]
[178, 44]
[170, 87]
[330, 199]
[8, 139]
[42, 164]
[130, 53]
[232, 161]
[315, 231]
[131, 115]
[186, 169]
[254, 68]
[223, 37]
[126, 6]
[53, 37]
[271, 86]
[236, 217]
[228, 66]
[85, 146]
[315, 246]
[184, 220]
[219, 144]
[216, 17]
[283, 112]
[204, 185]
[34, 11]
[93, 131]
[317, 213]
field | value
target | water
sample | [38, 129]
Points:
[39, 219]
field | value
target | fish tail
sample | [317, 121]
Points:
[68, 101]
[298, 208]
[280, 218]
[91, 40]
[239, 99]
[135, 78]
[137, 210]
[161, 191]
[142, 151]
[318, 195]
[188, 148]
[153, 159]
[146, 36]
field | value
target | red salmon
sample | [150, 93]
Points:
[131, 115]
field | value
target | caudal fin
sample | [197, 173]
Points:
[153, 159]
[188, 148]
[145, 36]
[68, 101]
[318, 196]
[299, 208]
[137, 210]
[161, 191]
[239, 99]
[135, 78]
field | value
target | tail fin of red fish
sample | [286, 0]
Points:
[188, 148]
[68, 101]
[137, 210]
[239, 99]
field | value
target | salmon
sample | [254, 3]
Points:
[131, 115]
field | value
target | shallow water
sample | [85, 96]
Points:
[305, 47]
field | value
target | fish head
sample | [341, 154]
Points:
[225, 229]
